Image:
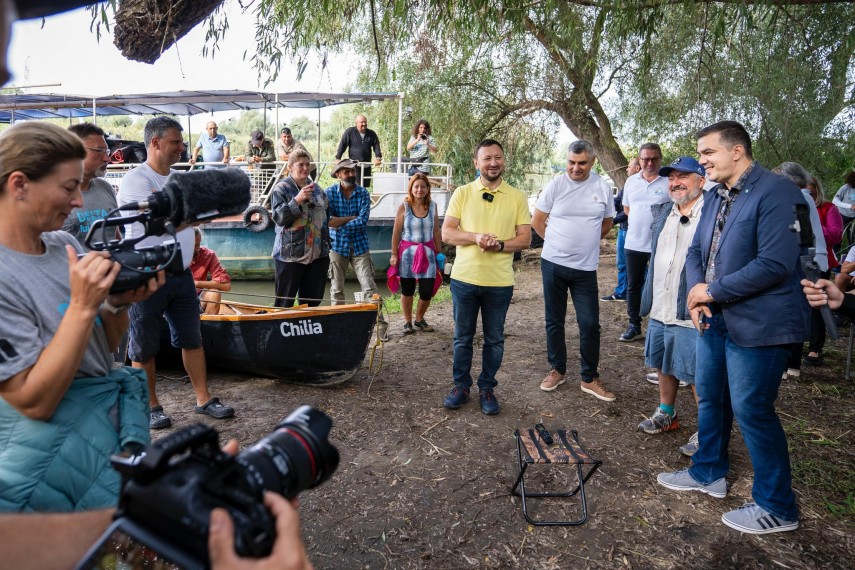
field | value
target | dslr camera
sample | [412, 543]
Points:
[186, 198]
[171, 487]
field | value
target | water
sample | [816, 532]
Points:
[264, 290]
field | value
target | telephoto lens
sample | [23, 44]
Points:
[296, 456]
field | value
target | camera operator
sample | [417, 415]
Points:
[76, 293]
[177, 300]
[421, 144]
[60, 398]
[824, 292]
[45, 541]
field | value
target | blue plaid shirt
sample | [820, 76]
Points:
[351, 238]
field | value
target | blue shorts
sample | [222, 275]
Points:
[177, 302]
[671, 349]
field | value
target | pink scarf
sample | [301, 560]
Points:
[420, 260]
[420, 265]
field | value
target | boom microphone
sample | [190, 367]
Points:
[198, 196]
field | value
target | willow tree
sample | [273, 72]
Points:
[786, 73]
[576, 59]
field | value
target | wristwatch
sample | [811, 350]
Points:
[107, 306]
[501, 245]
[708, 293]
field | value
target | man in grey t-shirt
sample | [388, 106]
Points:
[98, 194]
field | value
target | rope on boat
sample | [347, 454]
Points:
[379, 337]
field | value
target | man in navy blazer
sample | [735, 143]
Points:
[745, 299]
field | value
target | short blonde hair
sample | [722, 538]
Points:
[35, 148]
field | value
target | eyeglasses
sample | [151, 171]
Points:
[104, 151]
[650, 159]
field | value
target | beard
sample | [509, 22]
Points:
[491, 178]
[688, 197]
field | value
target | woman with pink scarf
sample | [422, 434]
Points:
[416, 239]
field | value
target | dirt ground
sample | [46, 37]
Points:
[420, 486]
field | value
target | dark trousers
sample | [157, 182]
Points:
[582, 285]
[408, 287]
[636, 268]
[307, 281]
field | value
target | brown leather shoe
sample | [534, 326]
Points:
[595, 388]
[553, 381]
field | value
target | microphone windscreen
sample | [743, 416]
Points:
[207, 194]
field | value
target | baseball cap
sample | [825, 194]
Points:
[285, 131]
[683, 164]
[256, 137]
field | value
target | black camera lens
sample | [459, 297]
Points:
[296, 456]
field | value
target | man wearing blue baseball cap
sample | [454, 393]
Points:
[670, 341]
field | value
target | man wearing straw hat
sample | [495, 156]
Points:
[350, 206]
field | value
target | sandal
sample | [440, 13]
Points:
[157, 419]
[215, 409]
[813, 360]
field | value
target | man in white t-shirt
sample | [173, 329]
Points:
[573, 213]
[176, 300]
[641, 192]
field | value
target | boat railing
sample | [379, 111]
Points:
[263, 177]
[387, 179]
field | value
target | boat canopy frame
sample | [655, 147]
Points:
[57, 106]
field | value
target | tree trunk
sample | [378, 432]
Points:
[147, 28]
[580, 119]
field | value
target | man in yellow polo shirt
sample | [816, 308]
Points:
[488, 220]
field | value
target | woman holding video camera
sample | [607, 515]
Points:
[420, 146]
[64, 409]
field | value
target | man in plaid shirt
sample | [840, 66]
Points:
[350, 205]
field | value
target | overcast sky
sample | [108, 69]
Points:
[63, 56]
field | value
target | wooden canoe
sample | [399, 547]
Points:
[318, 346]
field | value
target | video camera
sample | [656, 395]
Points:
[171, 488]
[807, 254]
[186, 198]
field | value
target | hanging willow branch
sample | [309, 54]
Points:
[147, 28]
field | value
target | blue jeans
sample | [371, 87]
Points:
[492, 303]
[732, 380]
[620, 290]
[557, 280]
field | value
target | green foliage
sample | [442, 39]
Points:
[392, 303]
[237, 129]
[784, 72]
[303, 128]
[657, 69]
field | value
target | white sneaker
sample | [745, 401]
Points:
[754, 519]
[791, 373]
